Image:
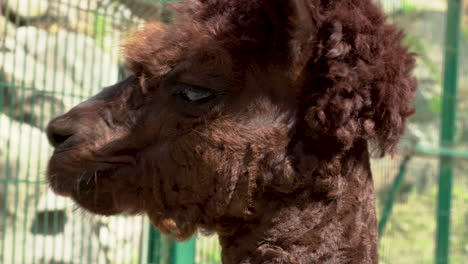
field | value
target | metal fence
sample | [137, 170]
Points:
[55, 53]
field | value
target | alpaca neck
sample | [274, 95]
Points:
[305, 229]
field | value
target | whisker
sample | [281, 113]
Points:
[94, 175]
[76, 208]
[52, 176]
[95, 178]
[78, 183]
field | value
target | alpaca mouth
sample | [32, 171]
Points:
[90, 184]
[92, 191]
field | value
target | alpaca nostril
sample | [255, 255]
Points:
[58, 134]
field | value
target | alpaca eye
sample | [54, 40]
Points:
[192, 94]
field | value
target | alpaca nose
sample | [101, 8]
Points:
[59, 131]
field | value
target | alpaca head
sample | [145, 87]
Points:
[223, 105]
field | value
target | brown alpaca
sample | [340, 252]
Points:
[251, 119]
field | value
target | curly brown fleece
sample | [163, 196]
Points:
[274, 156]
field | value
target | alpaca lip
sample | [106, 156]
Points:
[92, 190]
[65, 184]
[65, 180]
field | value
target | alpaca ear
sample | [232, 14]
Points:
[299, 14]
[357, 82]
[303, 16]
[295, 16]
[289, 28]
[302, 31]
[264, 23]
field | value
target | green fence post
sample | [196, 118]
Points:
[154, 254]
[183, 252]
[163, 250]
[447, 138]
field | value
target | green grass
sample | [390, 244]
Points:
[208, 250]
[409, 236]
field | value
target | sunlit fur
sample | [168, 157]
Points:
[278, 164]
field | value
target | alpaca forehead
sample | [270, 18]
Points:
[206, 61]
[157, 49]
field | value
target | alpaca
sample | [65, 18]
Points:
[252, 119]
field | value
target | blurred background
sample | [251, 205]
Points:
[55, 53]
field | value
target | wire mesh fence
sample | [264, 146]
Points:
[56, 53]
[410, 236]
